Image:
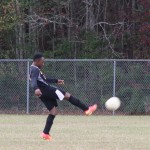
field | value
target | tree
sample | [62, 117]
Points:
[75, 28]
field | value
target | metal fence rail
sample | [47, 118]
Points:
[93, 81]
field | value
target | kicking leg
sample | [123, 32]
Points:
[78, 103]
[75, 101]
[49, 122]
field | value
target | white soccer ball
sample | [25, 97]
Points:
[113, 103]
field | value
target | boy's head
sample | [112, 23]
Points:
[38, 60]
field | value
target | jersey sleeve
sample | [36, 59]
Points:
[51, 80]
[34, 73]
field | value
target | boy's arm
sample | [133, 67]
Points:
[34, 76]
[51, 80]
[55, 81]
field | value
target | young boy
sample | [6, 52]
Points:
[49, 94]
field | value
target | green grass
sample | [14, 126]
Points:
[76, 133]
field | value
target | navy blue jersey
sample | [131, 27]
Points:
[38, 79]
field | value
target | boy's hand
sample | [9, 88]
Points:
[38, 92]
[60, 81]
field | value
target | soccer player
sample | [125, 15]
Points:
[49, 94]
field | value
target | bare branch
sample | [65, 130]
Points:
[110, 24]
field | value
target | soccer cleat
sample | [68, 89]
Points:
[46, 137]
[91, 110]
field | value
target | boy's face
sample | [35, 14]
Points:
[40, 62]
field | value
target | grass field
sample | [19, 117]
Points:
[76, 133]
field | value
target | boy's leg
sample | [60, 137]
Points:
[51, 106]
[49, 99]
[78, 103]
[49, 121]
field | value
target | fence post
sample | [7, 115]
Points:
[114, 79]
[28, 87]
[114, 82]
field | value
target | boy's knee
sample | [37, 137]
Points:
[67, 96]
[53, 111]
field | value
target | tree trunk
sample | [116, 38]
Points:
[19, 32]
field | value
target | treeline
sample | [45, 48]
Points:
[75, 28]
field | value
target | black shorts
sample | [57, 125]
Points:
[50, 95]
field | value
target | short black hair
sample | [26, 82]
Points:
[37, 56]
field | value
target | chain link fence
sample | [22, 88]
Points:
[92, 81]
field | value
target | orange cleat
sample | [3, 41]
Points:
[46, 137]
[91, 110]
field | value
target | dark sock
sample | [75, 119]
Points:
[49, 123]
[77, 103]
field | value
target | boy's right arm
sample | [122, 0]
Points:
[34, 76]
